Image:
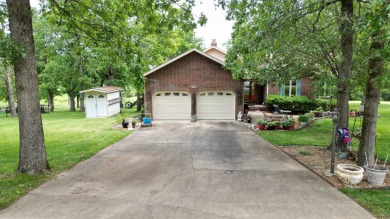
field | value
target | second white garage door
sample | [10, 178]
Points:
[216, 105]
[173, 105]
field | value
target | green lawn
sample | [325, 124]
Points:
[375, 201]
[69, 139]
[320, 134]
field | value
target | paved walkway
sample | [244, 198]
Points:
[187, 170]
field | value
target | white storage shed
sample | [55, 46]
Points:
[102, 102]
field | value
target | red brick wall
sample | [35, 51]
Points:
[308, 87]
[273, 89]
[192, 73]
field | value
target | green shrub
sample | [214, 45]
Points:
[271, 124]
[261, 122]
[305, 118]
[299, 104]
[287, 123]
[325, 103]
[385, 95]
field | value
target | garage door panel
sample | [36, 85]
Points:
[216, 105]
[171, 105]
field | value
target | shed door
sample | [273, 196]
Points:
[216, 105]
[96, 106]
[101, 104]
[175, 105]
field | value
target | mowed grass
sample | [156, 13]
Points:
[375, 201]
[320, 134]
[69, 139]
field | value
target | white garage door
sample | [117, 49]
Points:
[172, 105]
[216, 105]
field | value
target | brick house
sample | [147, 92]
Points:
[194, 83]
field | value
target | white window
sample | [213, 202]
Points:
[291, 88]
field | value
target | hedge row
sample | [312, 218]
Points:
[298, 104]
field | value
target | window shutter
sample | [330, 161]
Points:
[282, 90]
[299, 87]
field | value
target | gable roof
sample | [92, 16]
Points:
[181, 56]
[106, 90]
[216, 48]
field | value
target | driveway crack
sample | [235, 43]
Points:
[188, 185]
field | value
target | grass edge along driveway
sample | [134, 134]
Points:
[69, 138]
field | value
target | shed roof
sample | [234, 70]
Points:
[181, 56]
[106, 89]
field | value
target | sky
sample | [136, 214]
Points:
[216, 28]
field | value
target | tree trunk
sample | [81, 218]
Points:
[346, 41]
[139, 102]
[71, 101]
[77, 101]
[375, 70]
[32, 151]
[81, 100]
[82, 106]
[11, 99]
[50, 100]
[110, 76]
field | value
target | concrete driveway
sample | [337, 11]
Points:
[187, 170]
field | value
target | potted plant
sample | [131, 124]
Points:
[286, 124]
[133, 122]
[277, 124]
[271, 125]
[261, 124]
[123, 118]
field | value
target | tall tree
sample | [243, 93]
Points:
[5, 58]
[32, 151]
[346, 45]
[378, 17]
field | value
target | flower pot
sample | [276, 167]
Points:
[261, 127]
[376, 176]
[125, 125]
[271, 127]
[349, 174]
[286, 127]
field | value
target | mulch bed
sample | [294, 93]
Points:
[317, 159]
